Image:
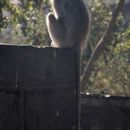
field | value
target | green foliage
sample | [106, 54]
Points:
[100, 18]
[112, 71]
[27, 23]
[124, 41]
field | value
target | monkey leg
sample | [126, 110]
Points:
[56, 31]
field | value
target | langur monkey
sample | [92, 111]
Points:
[68, 25]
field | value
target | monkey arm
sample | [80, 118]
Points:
[56, 31]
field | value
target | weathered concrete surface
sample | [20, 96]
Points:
[38, 88]
[105, 112]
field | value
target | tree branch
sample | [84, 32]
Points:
[100, 45]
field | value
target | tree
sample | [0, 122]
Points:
[100, 45]
[108, 45]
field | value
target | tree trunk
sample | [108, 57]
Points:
[100, 46]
